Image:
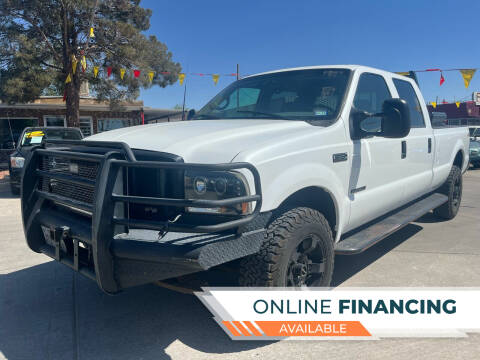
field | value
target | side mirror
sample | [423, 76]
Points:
[395, 118]
[392, 122]
[191, 114]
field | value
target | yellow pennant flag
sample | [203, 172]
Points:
[95, 71]
[458, 104]
[150, 75]
[215, 78]
[92, 35]
[84, 63]
[404, 73]
[467, 75]
[122, 73]
[181, 78]
[74, 64]
[68, 79]
[434, 104]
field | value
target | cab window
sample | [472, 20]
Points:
[406, 92]
[372, 91]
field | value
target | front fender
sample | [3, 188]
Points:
[281, 185]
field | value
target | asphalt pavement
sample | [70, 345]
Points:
[49, 312]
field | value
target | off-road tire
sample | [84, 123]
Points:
[269, 266]
[449, 210]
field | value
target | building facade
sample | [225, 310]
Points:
[95, 117]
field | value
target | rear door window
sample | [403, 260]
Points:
[406, 92]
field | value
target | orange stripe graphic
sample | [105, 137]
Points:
[242, 329]
[252, 328]
[231, 328]
[312, 328]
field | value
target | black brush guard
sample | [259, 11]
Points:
[121, 259]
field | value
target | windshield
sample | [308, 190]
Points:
[310, 95]
[35, 136]
[474, 144]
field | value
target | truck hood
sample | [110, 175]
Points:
[204, 141]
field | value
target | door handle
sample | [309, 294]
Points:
[404, 149]
[429, 145]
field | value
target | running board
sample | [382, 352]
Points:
[363, 239]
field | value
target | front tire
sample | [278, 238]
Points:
[297, 251]
[452, 187]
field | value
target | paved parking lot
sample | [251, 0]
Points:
[48, 312]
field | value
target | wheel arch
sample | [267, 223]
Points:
[314, 197]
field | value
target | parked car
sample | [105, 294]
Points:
[280, 170]
[33, 136]
[474, 132]
[475, 153]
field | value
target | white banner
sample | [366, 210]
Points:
[343, 313]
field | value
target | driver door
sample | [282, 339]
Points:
[376, 178]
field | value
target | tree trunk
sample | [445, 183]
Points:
[73, 102]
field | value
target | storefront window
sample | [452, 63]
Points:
[86, 125]
[11, 129]
[111, 124]
[54, 120]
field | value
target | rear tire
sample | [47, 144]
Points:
[453, 189]
[297, 251]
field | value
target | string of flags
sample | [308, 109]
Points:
[467, 74]
[135, 72]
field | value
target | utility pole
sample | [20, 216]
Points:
[238, 71]
[184, 96]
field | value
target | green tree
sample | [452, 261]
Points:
[41, 39]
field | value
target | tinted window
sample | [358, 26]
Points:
[33, 136]
[407, 93]
[311, 95]
[372, 91]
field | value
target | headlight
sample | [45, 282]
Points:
[217, 185]
[17, 162]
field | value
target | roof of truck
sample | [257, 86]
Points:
[350, 67]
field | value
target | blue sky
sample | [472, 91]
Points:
[212, 36]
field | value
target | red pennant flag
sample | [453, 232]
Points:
[136, 73]
[109, 71]
[65, 95]
[442, 79]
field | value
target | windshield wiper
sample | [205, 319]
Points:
[274, 116]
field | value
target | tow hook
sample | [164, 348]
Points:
[60, 233]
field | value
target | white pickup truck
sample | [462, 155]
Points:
[276, 174]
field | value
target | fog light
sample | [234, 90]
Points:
[200, 185]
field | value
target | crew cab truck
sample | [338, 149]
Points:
[280, 171]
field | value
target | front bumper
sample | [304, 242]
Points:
[116, 251]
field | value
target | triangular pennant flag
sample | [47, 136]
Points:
[109, 71]
[458, 104]
[68, 79]
[95, 71]
[122, 73]
[150, 75]
[84, 63]
[136, 73]
[215, 78]
[404, 73]
[92, 35]
[467, 75]
[434, 104]
[442, 79]
[181, 78]
[74, 64]
[65, 95]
